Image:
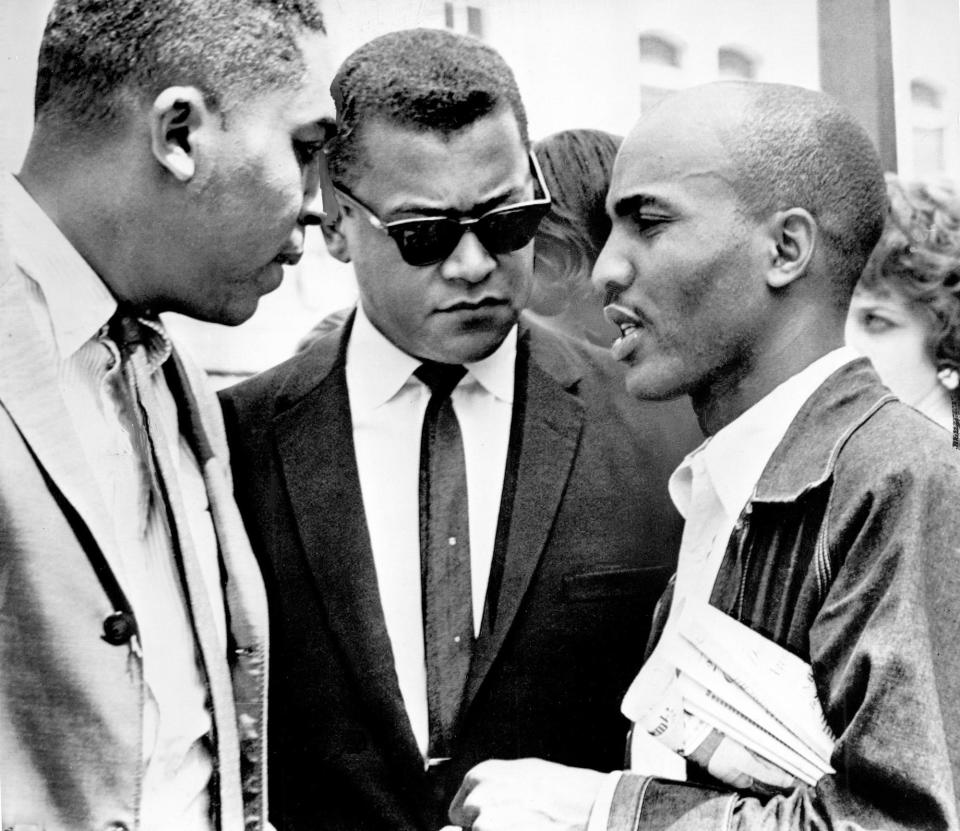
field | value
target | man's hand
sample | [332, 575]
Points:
[527, 794]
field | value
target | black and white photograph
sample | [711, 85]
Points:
[485, 415]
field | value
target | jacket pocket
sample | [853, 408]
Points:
[606, 583]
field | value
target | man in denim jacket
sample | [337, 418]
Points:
[821, 512]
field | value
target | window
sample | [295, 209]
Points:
[734, 64]
[660, 68]
[928, 123]
[658, 51]
[464, 19]
[923, 94]
[474, 21]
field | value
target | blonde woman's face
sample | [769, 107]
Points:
[882, 326]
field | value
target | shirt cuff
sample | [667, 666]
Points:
[600, 813]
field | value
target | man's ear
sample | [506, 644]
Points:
[177, 116]
[335, 239]
[794, 236]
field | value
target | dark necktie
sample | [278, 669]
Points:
[444, 557]
[136, 339]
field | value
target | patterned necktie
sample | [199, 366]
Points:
[152, 341]
[444, 557]
[136, 338]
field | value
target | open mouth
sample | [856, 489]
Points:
[625, 319]
[627, 346]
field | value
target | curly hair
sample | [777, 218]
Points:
[918, 258]
[422, 79]
[97, 58]
[576, 165]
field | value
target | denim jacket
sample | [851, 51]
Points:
[848, 555]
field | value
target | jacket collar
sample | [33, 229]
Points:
[806, 456]
[310, 368]
[307, 370]
[78, 301]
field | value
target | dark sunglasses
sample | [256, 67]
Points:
[431, 239]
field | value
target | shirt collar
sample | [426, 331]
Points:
[495, 373]
[377, 369]
[736, 456]
[78, 301]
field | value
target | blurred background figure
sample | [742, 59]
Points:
[905, 313]
[576, 167]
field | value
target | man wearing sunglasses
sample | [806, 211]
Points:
[453, 573]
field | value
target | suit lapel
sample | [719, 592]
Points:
[550, 433]
[244, 588]
[30, 392]
[315, 443]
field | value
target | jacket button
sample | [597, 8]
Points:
[118, 628]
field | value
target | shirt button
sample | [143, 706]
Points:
[118, 628]
[116, 826]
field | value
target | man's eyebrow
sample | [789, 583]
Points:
[475, 211]
[631, 204]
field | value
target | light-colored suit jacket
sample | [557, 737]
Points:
[70, 702]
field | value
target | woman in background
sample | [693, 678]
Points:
[576, 165]
[905, 313]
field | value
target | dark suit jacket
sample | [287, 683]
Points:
[586, 539]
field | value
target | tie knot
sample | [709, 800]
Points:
[125, 331]
[441, 378]
[130, 330]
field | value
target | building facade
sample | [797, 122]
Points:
[597, 64]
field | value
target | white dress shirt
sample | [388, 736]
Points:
[387, 404]
[710, 489]
[71, 306]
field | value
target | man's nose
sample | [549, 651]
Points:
[470, 261]
[612, 272]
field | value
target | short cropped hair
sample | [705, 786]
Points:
[796, 148]
[577, 165]
[918, 259]
[422, 79]
[98, 57]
